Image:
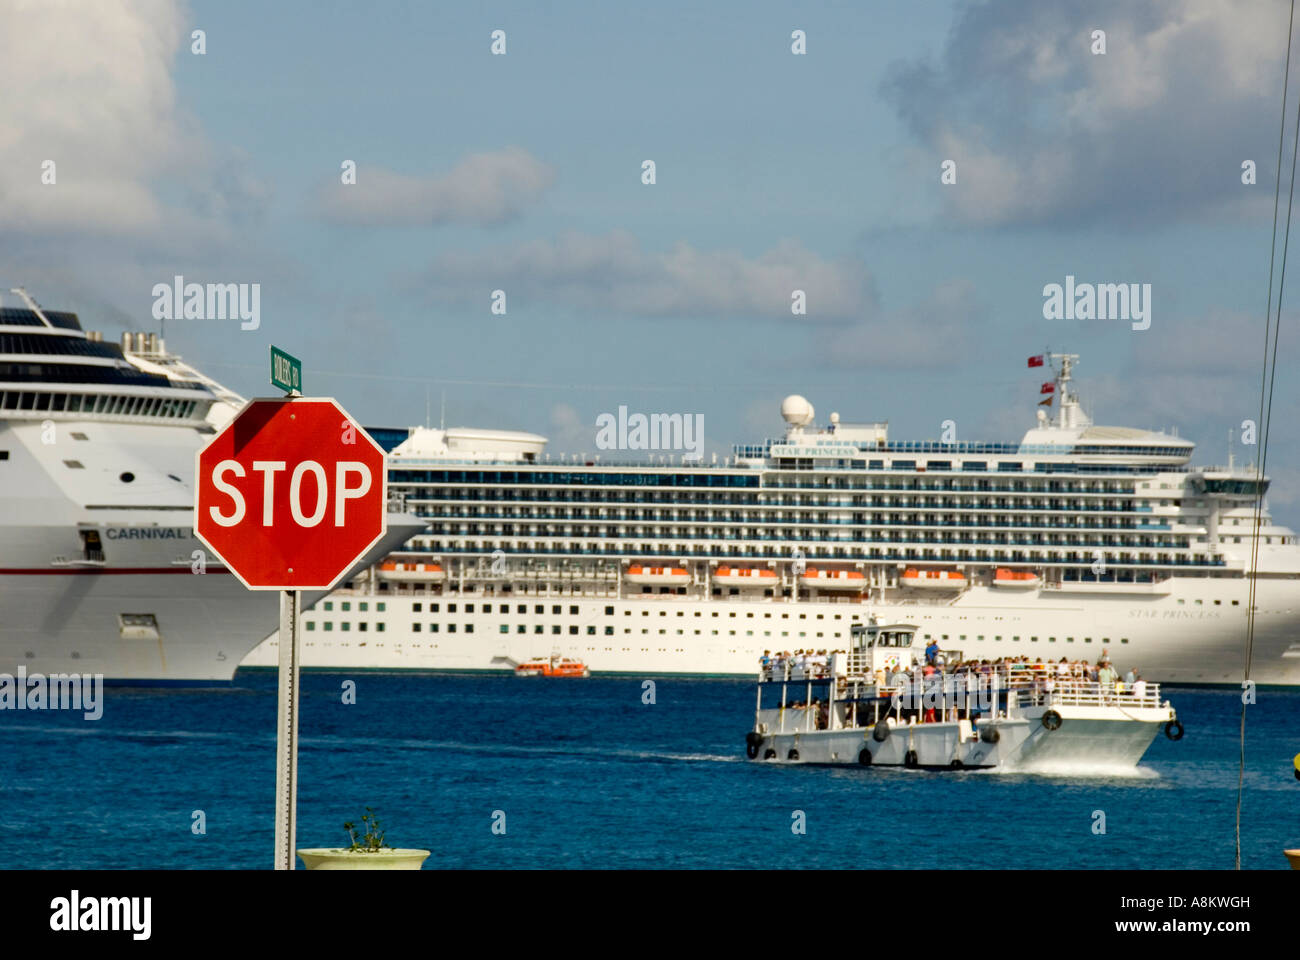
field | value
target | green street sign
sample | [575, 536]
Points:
[286, 371]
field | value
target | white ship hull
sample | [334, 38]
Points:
[1090, 739]
[60, 622]
[1192, 634]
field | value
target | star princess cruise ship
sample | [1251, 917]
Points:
[1078, 539]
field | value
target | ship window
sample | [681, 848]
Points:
[609, 611]
[555, 628]
[555, 608]
[451, 608]
[328, 626]
[415, 628]
[521, 608]
[1218, 602]
[469, 608]
[379, 628]
[1087, 639]
[1123, 639]
[1015, 639]
[1236, 603]
[363, 606]
[330, 606]
[609, 631]
[311, 624]
[78, 435]
[539, 608]
[362, 626]
[415, 607]
[433, 628]
[469, 628]
[451, 628]
[1033, 639]
[346, 606]
[345, 626]
[521, 629]
[433, 608]
[74, 464]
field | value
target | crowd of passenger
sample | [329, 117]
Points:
[964, 677]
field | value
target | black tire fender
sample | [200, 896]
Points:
[1052, 720]
[881, 732]
[864, 757]
[1174, 730]
[793, 754]
[990, 734]
[910, 759]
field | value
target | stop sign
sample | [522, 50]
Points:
[290, 494]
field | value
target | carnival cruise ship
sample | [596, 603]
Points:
[100, 572]
[1078, 541]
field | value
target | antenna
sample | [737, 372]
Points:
[442, 417]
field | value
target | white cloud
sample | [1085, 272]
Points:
[89, 86]
[483, 188]
[1044, 131]
[613, 273]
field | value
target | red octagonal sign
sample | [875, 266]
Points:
[290, 494]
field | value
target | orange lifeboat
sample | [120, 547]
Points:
[423, 572]
[933, 579]
[1016, 579]
[745, 577]
[552, 666]
[658, 576]
[848, 580]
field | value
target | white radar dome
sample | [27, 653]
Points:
[796, 411]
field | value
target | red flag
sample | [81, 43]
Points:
[1048, 388]
[1036, 361]
[1045, 403]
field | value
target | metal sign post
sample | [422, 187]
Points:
[286, 373]
[286, 746]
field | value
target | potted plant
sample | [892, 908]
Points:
[367, 852]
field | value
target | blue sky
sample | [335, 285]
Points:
[522, 172]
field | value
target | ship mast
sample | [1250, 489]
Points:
[1068, 414]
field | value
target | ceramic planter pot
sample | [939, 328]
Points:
[340, 858]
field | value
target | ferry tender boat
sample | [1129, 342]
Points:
[865, 708]
[552, 666]
[1076, 538]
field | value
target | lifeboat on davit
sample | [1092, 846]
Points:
[853, 580]
[658, 576]
[422, 572]
[933, 579]
[1016, 579]
[745, 577]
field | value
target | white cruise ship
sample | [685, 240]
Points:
[1078, 540]
[97, 549]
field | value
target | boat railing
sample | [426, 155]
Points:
[1029, 686]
